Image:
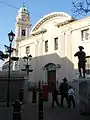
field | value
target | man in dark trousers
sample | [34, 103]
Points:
[81, 60]
[64, 92]
[54, 95]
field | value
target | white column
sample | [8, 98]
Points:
[18, 31]
[28, 31]
[46, 76]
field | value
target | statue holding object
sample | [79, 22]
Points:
[81, 61]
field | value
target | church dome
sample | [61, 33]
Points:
[23, 9]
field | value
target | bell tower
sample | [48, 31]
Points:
[22, 26]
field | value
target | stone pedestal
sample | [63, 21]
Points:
[82, 87]
[17, 81]
[84, 93]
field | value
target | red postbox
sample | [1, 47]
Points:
[45, 92]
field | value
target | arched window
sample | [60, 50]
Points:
[23, 32]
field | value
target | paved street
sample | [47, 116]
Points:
[53, 113]
[30, 112]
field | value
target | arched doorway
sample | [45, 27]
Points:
[51, 75]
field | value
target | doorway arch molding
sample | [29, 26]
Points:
[51, 66]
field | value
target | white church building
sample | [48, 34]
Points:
[52, 42]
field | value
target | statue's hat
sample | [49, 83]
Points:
[81, 47]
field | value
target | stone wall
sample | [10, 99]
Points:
[16, 82]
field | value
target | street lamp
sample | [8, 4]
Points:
[11, 36]
[27, 58]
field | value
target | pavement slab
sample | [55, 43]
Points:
[30, 112]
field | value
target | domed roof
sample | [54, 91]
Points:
[23, 9]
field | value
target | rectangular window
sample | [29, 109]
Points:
[56, 43]
[28, 50]
[88, 65]
[85, 34]
[46, 46]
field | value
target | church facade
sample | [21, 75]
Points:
[52, 42]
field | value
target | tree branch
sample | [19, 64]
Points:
[81, 7]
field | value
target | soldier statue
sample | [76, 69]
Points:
[81, 60]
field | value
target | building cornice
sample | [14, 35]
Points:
[39, 32]
[64, 23]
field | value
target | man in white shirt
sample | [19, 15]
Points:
[71, 96]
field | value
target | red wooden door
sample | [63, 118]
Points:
[51, 78]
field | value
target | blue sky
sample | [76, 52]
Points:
[37, 9]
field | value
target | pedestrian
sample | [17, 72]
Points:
[64, 92]
[81, 60]
[71, 96]
[54, 96]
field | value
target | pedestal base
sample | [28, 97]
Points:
[83, 94]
